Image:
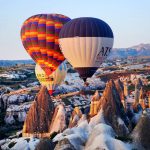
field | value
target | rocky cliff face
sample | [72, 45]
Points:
[40, 114]
[58, 122]
[64, 145]
[113, 110]
[45, 144]
[122, 91]
[141, 134]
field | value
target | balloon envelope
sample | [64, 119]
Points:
[52, 81]
[39, 35]
[85, 43]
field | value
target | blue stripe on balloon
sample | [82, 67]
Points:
[50, 27]
[34, 39]
[41, 25]
[51, 57]
[44, 54]
[86, 27]
[42, 41]
[51, 44]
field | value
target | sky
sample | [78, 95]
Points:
[129, 20]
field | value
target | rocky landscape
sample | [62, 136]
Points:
[103, 114]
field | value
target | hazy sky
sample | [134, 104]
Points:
[129, 20]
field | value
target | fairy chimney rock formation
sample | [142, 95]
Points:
[113, 110]
[40, 114]
[126, 88]
[120, 88]
[75, 117]
[142, 98]
[58, 123]
[138, 86]
[141, 134]
[94, 106]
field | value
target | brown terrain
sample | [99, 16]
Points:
[39, 117]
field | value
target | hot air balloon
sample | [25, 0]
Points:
[52, 81]
[39, 35]
[85, 43]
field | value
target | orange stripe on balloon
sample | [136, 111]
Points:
[56, 41]
[33, 33]
[49, 38]
[49, 22]
[50, 53]
[43, 51]
[41, 35]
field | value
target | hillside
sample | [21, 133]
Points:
[14, 62]
[138, 50]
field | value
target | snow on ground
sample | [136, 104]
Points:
[83, 128]
[102, 136]
[13, 76]
[17, 98]
[93, 135]
[137, 66]
[20, 144]
[83, 118]
[99, 118]
[77, 135]
[33, 84]
[70, 102]
[98, 130]
[106, 142]
[9, 119]
[121, 122]
[17, 110]
[130, 99]
[75, 83]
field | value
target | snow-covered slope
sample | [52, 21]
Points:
[19, 144]
[93, 135]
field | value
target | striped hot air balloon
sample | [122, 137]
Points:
[85, 43]
[39, 35]
[54, 80]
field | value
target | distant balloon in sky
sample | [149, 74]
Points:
[85, 43]
[39, 35]
[52, 81]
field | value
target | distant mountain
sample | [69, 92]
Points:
[14, 62]
[138, 50]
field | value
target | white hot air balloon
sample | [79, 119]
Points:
[54, 80]
[86, 42]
